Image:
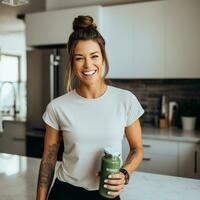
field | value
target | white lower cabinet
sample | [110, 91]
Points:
[12, 139]
[160, 157]
[189, 160]
[159, 164]
[168, 157]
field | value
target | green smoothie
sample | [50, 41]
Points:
[110, 165]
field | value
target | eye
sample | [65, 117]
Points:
[95, 56]
[78, 58]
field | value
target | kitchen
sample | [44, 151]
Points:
[158, 50]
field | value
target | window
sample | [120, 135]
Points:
[9, 68]
[9, 83]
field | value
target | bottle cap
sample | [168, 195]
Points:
[112, 151]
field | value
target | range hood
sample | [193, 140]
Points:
[15, 2]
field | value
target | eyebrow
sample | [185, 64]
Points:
[90, 53]
[94, 52]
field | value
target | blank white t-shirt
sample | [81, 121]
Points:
[89, 125]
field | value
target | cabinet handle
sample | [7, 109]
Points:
[195, 162]
[18, 139]
[146, 159]
[146, 145]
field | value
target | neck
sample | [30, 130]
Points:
[91, 91]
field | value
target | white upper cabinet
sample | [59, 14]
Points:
[54, 27]
[158, 39]
[117, 34]
[148, 40]
[134, 34]
[182, 35]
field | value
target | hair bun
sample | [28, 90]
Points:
[82, 22]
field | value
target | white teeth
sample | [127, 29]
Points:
[89, 73]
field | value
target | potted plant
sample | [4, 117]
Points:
[188, 112]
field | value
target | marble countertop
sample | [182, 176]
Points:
[18, 177]
[173, 134]
[35, 132]
[14, 119]
[148, 132]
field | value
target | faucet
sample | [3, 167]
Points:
[15, 96]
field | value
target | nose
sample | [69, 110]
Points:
[88, 63]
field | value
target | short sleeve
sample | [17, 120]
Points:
[50, 117]
[135, 110]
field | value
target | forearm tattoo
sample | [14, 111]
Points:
[132, 155]
[47, 166]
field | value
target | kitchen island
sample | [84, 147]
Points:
[18, 175]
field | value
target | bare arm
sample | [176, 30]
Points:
[48, 162]
[134, 137]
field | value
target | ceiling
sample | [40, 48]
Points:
[11, 12]
[9, 22]
[58, 4]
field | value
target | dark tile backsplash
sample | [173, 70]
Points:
[150, 91]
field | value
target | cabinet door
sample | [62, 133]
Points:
[148, 40]
[160, 147]
[159, 164]
[116, 30]
[189, 160]
[160, 157]
[13, 138]
[54, 27]
[182, 39]
[4, 142]
[134, 37]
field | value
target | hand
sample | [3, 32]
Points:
[115, 184]
[98, 173]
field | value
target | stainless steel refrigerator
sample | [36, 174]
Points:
[46, 68]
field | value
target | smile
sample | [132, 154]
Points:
[89, 73]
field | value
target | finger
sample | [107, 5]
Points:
[115, 181]
[112, 193]
[116, 176]
[114, 187]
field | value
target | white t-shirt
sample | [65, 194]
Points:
[88, 126]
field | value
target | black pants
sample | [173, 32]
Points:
[65, 191]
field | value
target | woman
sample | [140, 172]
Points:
[89, 117]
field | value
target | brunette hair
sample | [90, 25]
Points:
[84, 29]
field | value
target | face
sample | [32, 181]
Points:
[88, 62]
